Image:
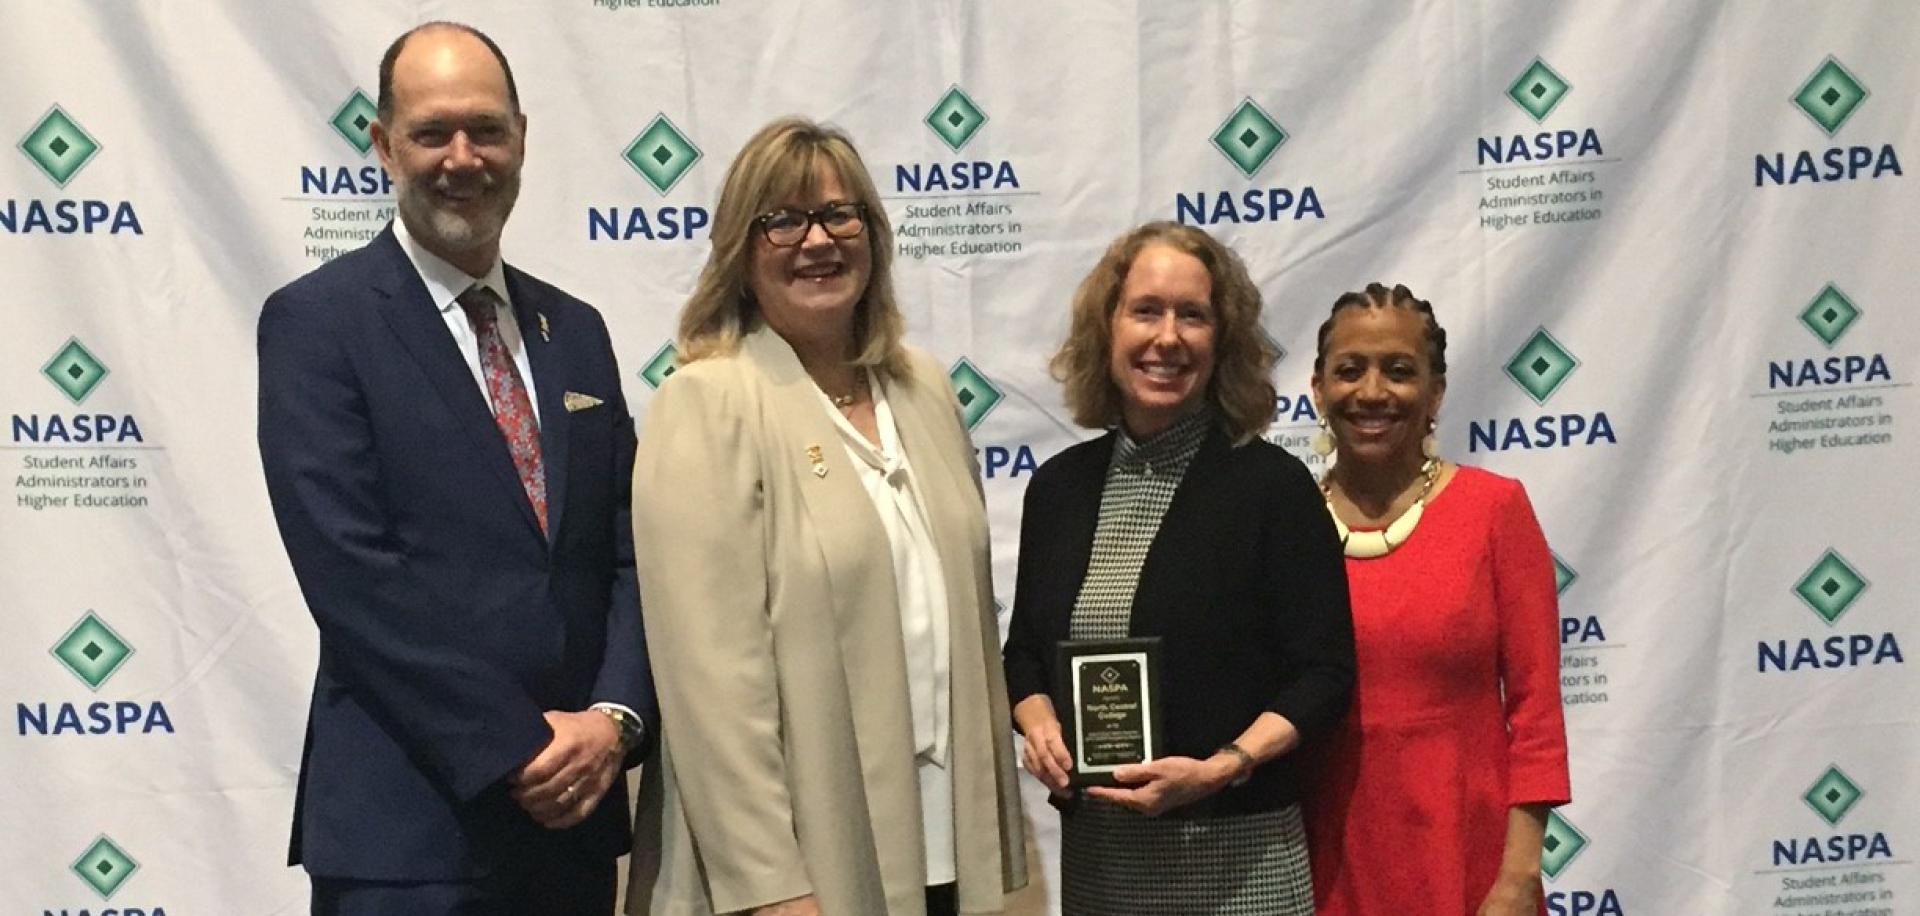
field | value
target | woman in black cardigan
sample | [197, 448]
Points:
[1182, 524]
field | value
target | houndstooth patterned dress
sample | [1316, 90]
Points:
[1115, 862]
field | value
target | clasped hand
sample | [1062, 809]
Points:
[1158, 786]
[563, 783]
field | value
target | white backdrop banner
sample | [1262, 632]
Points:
[1667, 240]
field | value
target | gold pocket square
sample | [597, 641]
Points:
[575, 401]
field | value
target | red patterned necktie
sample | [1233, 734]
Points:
[512, 409]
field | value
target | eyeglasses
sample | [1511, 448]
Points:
[787, 227]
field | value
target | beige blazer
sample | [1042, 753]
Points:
[767, 588]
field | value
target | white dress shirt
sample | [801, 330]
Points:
[445, 283]
[920, 584]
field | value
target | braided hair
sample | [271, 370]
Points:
[1379, 296]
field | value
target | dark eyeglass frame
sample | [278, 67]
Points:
[817, 216]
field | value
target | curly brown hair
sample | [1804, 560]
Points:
[1241, 389]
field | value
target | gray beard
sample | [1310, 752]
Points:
[438, 228]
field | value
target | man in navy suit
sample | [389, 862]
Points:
[449, 458]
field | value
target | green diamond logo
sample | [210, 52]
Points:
[977, 395]
[92, 651]
[74, 371]
[1249, 137]
[1830, 587]
[956, 119]
[1562, 843]
[354, 121]
[662, 154]
[1830, 96]
[1832, 796]
[1563, 575]
[58, 146]
[655, 372]
[105, 866]
[1541, 366]
[1539, 90]
[1829, 315]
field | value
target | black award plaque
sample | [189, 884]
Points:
[1106, 696]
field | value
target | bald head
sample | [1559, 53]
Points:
[436, 41]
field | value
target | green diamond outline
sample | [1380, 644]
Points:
[104, 852]
[1831, 568]
[977, 394]
[56, 126]
[1561, 844]
[1831, 76]
[1833, 811]
[90, 630]
[1563, 575]
[1829, 330]
[1250, 158]
[1562, 365]
[939, 118]
[74, 355]
[660, 366]
[661, 133]
[358, 137]
[1539, 75]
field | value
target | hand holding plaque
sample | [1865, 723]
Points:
[1106, 694]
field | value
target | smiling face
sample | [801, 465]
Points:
[1376, 386]
[1161, 355]
[453, 145]
[809, 291]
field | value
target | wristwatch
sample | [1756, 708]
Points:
[631, 731]
[1246, 761]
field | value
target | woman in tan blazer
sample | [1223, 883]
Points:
[813, 562]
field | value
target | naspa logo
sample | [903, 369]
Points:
[60, 148]
[1562, 843]
[1538, 91]
[105, 867]
[76, 372]
[978, 396]
[1829, 98]
[1832, 797]
[660, 365]
[1829, 589]
[1579, 630]
[352, 124]
[1248, 139]
[955, 119]
[1828, 317]
[662, 155]
[93, 653]
[1540, 368]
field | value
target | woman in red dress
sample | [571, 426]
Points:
[1436, 789]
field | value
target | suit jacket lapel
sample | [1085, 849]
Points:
[842, 514]
[422, 331]
[550, 385]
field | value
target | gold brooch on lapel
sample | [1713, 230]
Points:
[545, 333]
[575, 401]
[818, 459]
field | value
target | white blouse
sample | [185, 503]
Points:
[920, 585]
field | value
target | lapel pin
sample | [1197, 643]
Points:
[546, 335]
[818, 459]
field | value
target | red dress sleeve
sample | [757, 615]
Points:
[1529, 613]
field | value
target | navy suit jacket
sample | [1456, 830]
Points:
[448, 622]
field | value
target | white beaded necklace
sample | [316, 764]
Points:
[1367, 545]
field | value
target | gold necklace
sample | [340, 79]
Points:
[844, 401]
[1367, 545]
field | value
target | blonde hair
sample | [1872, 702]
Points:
[1241, 389]
[779, 163]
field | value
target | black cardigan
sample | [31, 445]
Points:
[1244, 583]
